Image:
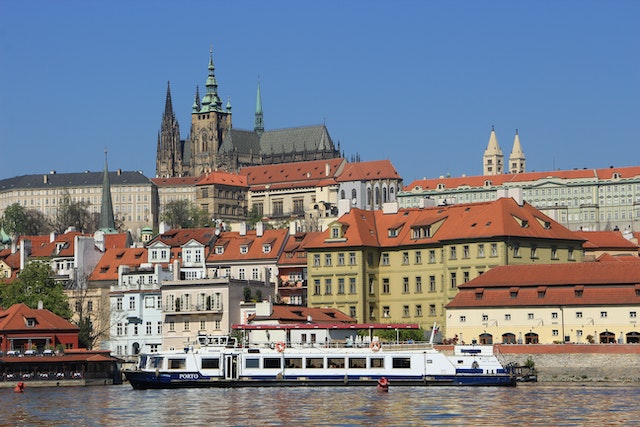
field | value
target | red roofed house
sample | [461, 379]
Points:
[23, 328]
[578, 302]
[609, 242]
[367, 185]
[405, 265]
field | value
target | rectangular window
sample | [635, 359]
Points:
[352, 285]
[327, 260]
[352, 311]
[357, 362]
[132, 303]
[405, 311]
[335, 362]
[418, 284]
[148, 328]
[418, 310]
[341, 258]
[385, 259]
[314, 363]
[418, 257]
[341, 285]
[452, 252]
[271, 363]
[603, 314]
[454, 281]
[481, 250]
[432, 256]
[530, 316]
[554, 332]
[507, 317]
[405, 258]
[316, 260]
[405, 285]
[385, 311]
[210, 363]
[293, 362]
[554, 315]
[432, 309]
[465, 276]
[327, 286]
[494, 249]
[401, 363]
[633, 314]
[578, 315]
[352, 258]
[432, 283]
[316, 286]
[463, 319]
[385, 286]
[465, 251]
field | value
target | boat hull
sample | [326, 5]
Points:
[141, 380]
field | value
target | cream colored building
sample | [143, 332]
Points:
[588, 302]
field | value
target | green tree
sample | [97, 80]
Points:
[86, 337]
[184, 214]
[34, 284]
[14, 220]
[73, 214]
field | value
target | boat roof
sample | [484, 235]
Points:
[328, 326]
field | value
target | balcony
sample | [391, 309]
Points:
[195, 309]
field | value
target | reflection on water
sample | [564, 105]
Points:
[530, 404]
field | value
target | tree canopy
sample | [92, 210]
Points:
[184, 214]
[35, 284]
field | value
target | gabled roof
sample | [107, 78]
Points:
[365, 171]
[586, 283]
[606, 240]
[117, 240]
[233, 241]
[315, 173]
[497, 219]
[15, 317]
[294, 252]
[107, 267]
[223, 178]
[523, 178]
[178, 237]
[61, 246]
[297, 314]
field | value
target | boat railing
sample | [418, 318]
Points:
[339, 344]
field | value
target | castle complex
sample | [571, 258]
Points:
[213, 144]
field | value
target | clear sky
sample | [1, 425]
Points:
[420, 83]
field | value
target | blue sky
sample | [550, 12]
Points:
[420, 83]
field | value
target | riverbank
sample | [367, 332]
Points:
[576, 362]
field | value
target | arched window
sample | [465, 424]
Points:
[354, 195]
[531, 338]
[486, 339]
[508, 338]
[342, 195]
[368, 196]
[377, 196]
[607, 337]
[384, 195]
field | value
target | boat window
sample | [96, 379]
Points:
[315, 362]
[335, 362]
[252, 363]
[155, 362]
[177, 363]
[293, 362]
[401, 362]
[357, 362]
[143, 362]
[271, 363]
[377, 362]
[213, 363]
[429, 361]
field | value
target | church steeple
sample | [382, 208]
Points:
[211, 101]
[169, 154]
[107, 222]
[493, 157]
[517, 162]
[258, 126]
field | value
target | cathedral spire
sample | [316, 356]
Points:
[196, 101]
[168, 105]
[258, 126]
[211, 101]
[107, 223]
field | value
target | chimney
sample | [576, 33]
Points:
[40, 305]
[243, 228]
[52, 237]
[293, 227]
[327, 169]
[176, 270]
[45, 179]
[259, 229]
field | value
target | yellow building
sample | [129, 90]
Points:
[404, 266]
[583, 302]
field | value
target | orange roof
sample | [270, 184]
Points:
[107, 267]
[606, 240]
[315, 173]
[187, 181]
[587, 283]
[232, 242]
[497, 180]
[180, 236]
[117, 240]
[294, 252]
[500, 218]
[223, 178]
[14, 319]
[298, 314]
[360, 171]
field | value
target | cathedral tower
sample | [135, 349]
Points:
[169, 153]
[210, 125]
[493, 157]
[517, 163]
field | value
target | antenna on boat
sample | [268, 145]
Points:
[434, 330]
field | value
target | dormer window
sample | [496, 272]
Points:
[244, 249]
[335, 232]
[31, 322]
[219, 250]
[421, 232]
[393, 232]
[266, 248]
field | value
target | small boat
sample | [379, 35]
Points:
[383, 384]
[218, 361]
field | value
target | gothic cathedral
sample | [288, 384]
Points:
[214, 145]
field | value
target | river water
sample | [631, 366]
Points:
[538, 404]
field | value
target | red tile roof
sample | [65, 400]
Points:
[296, 314]
[14, 319]
[361, 171]
[294, 252]
[317, 173]
[500, 218]
[232, 241]
[598, 283]
[606, 240]
[223, 178]
[497, 180]
[107, 267]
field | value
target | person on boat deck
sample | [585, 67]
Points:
[348, 342]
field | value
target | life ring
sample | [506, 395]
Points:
[280, 346]
[375, 345]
